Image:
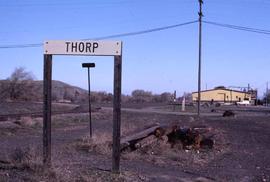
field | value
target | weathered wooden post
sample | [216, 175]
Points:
[47, 90]
[116, 113]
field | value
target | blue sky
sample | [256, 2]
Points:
[159, 61]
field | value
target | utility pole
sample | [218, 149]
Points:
[200, 55]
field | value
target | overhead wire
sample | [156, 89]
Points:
[236, 27]
[143, 31]
[106, 37]
[21, 46]
[76, 3]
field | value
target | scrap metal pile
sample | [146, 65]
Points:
[198, 137]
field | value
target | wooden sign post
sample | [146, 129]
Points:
[87, 48]
[47, 91]
[116, 113]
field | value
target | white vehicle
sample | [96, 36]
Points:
[244, 102]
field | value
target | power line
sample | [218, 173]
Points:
[106, 37]
[76, 3]
[21, 46]
[248, 29]
[143, 31]
[238, 27]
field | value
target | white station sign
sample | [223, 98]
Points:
[77, 47]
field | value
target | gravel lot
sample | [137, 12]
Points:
[241, 151]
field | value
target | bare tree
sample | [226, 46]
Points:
[4, 91]
[20, 85]
[140, 96]
[166, 97]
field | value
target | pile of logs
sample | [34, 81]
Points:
[189, 138]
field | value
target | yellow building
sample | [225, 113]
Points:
[221, 94]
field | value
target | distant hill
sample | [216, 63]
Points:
[64, 92]
[33, 91]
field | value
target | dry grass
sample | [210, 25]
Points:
[29, 122]
[26, 163]
[75, 118]
[101, 176]
[8, 128]
[127, 128]
[150, 153]
[100, 143]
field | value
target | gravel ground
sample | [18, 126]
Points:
[241, 151]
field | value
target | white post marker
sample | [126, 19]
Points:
[87, 48]
[183, 104]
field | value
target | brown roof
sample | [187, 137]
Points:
[222, 89]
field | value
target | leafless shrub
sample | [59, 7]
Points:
[141, 96]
